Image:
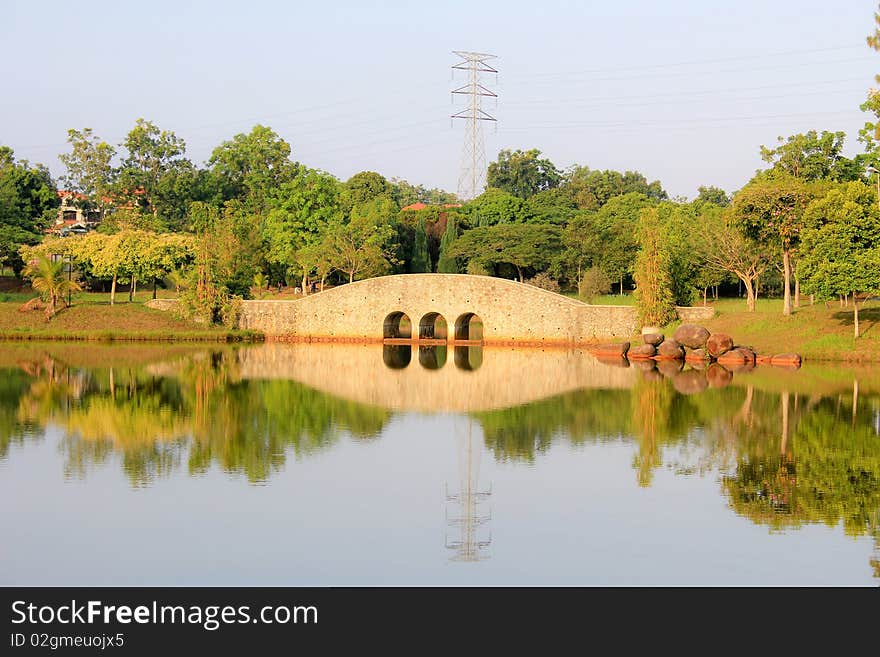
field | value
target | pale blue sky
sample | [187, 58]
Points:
[684, 91]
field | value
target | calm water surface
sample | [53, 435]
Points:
[334, 465]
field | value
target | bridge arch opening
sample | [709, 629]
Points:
[469, 327]
[433, 327]
[397, 325]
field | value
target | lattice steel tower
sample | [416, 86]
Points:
[473, 158]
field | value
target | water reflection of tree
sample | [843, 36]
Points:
[13, 386]
[786, 459]
[652, 413]
[205, 415]
[824, 469]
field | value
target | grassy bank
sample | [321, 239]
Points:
[92, 318]
[817, 332]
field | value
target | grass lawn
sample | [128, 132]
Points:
[93, 318]
[815, 332]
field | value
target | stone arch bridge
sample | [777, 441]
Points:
[444, 308]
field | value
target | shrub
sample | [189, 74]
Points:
[593, 283]
[543, 281]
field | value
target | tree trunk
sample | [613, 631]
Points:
[351, 277]
[131, 289]
[305, 284]
[621, 285]
[705, 296]
[812, 299]
[855, 315]
[786, 282]
[113, 291]
[797, 292]
[154, 288]
[323, 278]
[750, 292]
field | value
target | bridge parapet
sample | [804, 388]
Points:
[509, 312]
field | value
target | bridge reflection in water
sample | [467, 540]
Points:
[476, 379]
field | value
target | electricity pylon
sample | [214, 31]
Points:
[472, 178]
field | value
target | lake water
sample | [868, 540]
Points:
[362, 465]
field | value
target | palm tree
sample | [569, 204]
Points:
[47, 278]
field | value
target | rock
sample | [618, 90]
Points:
[734, 361]
[747, 353]
[690, 382]
[691, 335]
[652, 338]
[669, 368]
[792, 361]
[717, 376]
[696, 355]
[699, 365]
[719, 343]
[733, 357]
[643, 351]
[670, 350]
[762, 360]
[617, 349]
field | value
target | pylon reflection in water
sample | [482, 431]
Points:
[471, 513]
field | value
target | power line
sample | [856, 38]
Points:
[693, 62]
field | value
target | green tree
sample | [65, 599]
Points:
[89, 167]
[51, 281]
[591, 189]
[447, 264]
[713, 195]
[840, 254]
[771, 211]
[523, 246]
[654, 296]
[420, 261]
[250, 167]
[404, 193]
[551, 206]
[522, 173]
[363, 246]
[28, 202]
[154, 161]
[299, 216]
[495, 206]
[724, 248]
[811, 156]
[365, 186]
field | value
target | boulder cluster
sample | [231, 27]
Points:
[695, 345]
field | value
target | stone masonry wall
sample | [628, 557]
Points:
[511, 312]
